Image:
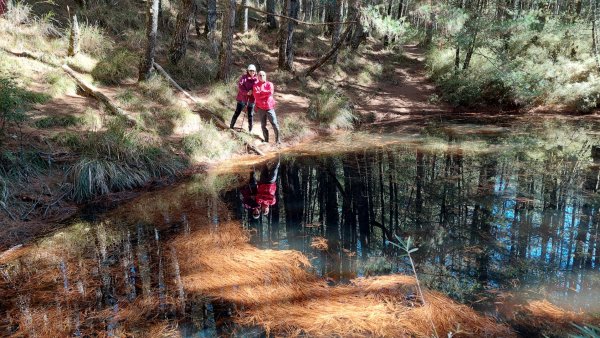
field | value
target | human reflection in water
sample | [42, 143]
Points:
[260, 196]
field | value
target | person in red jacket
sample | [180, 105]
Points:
[267, 187]
[244, 96]
[265, 103]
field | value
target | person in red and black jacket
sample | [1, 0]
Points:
[244, 96]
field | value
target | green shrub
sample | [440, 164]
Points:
[331, 108]
[57, 121]
[116, 67]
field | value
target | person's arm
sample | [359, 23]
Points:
[272, 88]
[241, 83]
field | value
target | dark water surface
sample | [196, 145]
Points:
[498, 218]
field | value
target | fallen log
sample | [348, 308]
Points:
[92, 91]
[219, 121]
[329, 54]
[29, 55]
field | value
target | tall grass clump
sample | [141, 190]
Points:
[209, 144]
[157, 89]
[116, 67]
[94, 41]
[118, 159]
[331, 108]
[294, 128]
[60, 83]
[197, 68]
[57, 121]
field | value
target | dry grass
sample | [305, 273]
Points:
[319, 243]
[544, 317]
[278, 292]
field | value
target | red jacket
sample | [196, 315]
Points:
[263, 94]
[245, 85]
[266, 193]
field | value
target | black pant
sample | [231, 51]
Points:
[238, 109]
[268, 173]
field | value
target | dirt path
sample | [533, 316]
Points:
[405, 97]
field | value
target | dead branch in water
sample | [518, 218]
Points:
[92, 91]
[219, 121]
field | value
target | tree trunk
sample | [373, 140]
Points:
[227, 41]
[337, 28]
[210, 27]
[182, 27]
[147, 63]
[282, 36]
[244, 16]
[289, 45]
[430, 26]
[386, 38]
[74, 37]
[400, 9]
[3, 6]
[271, 21]
[595, 38]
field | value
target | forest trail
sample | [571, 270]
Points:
[406, 95]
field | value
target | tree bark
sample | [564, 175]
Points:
[146, 65]
[595, 38]
[289, 39]
[282, 36]
[227, 41]
[430, 26]
[210, 29]
[400, 9]
[74, 37]
[271, 21]
[182, 27]
[337, 28]
[244, 16]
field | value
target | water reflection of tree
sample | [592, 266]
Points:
[496, 220]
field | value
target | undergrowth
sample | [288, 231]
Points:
[117, 159]
[330, 107]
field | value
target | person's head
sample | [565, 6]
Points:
[262, 76]
[251, 70]
[265, 209]
[256, 213]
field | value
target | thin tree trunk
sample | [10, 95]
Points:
[595, 39]
[272, 22]
[337, 28]
[210, 29]
[182, 28]
[400, 9]
[226, 53]
[74, 37]
[147, 64]
[289, 45]
[244, 16]
[386, 38]
[282, 36]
